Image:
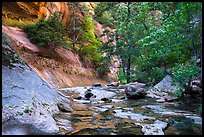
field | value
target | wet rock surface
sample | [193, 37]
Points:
[166, 85]
[28, 102]
[153, 129]
[26, 99]
[123, 116]
[132, 92]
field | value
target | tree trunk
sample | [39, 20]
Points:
[129, 46]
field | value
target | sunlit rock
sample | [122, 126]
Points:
[153, 129]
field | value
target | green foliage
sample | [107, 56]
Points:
[200, 109]
[176, 93]
[103, 13]
[89, 43]
[16, 23]
[27, 110]
[58, 103]
[184, 74]
[121, 76]
[5, 40]
[162, 34]
[150, 77]
[103, 67]
[50, 33]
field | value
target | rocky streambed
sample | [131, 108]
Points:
[107, 111]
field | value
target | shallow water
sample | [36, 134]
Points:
[121, 117]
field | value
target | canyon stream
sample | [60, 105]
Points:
[109, 112]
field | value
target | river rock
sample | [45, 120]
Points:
[153, 129]
[170, 98]
[197, 83]
[106, 100]
[131, 115]
[96, 85]
[197, 119]
[135, 91]
[88, 95]
[64, 125]
[64, 107]
[161, 100]
[114, 84]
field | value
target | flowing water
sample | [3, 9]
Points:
[123, 116]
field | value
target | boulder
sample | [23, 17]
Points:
[197, 83]
[153, 129]
[195, 88]
[135, 91]
[96, 85]
[169, 98]
[28, 102]
[198, 61]
[137, 84]
[88, 95]
[166, 85]
[114, 84]
[64, 107]
[106, 100]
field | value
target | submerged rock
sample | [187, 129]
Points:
[131, 115]
[97, 85]
[197, 119]
[79, 107]
[64, 126]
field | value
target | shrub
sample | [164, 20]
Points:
[47, 33]
[89, 42]
[150, 77]
[184, 74]
[121, 76]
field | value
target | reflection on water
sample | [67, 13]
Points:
[101, 119]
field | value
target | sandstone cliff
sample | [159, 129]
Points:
[64, 68]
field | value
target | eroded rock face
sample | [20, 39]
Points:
[28, 102]
[34, 11]
[65, 71]
[49, 8]
[20, 10]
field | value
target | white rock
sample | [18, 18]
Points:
[153, 129]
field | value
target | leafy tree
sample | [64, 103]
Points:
[184, 75]
[89, 43]
[174, 41]
[153, 37]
